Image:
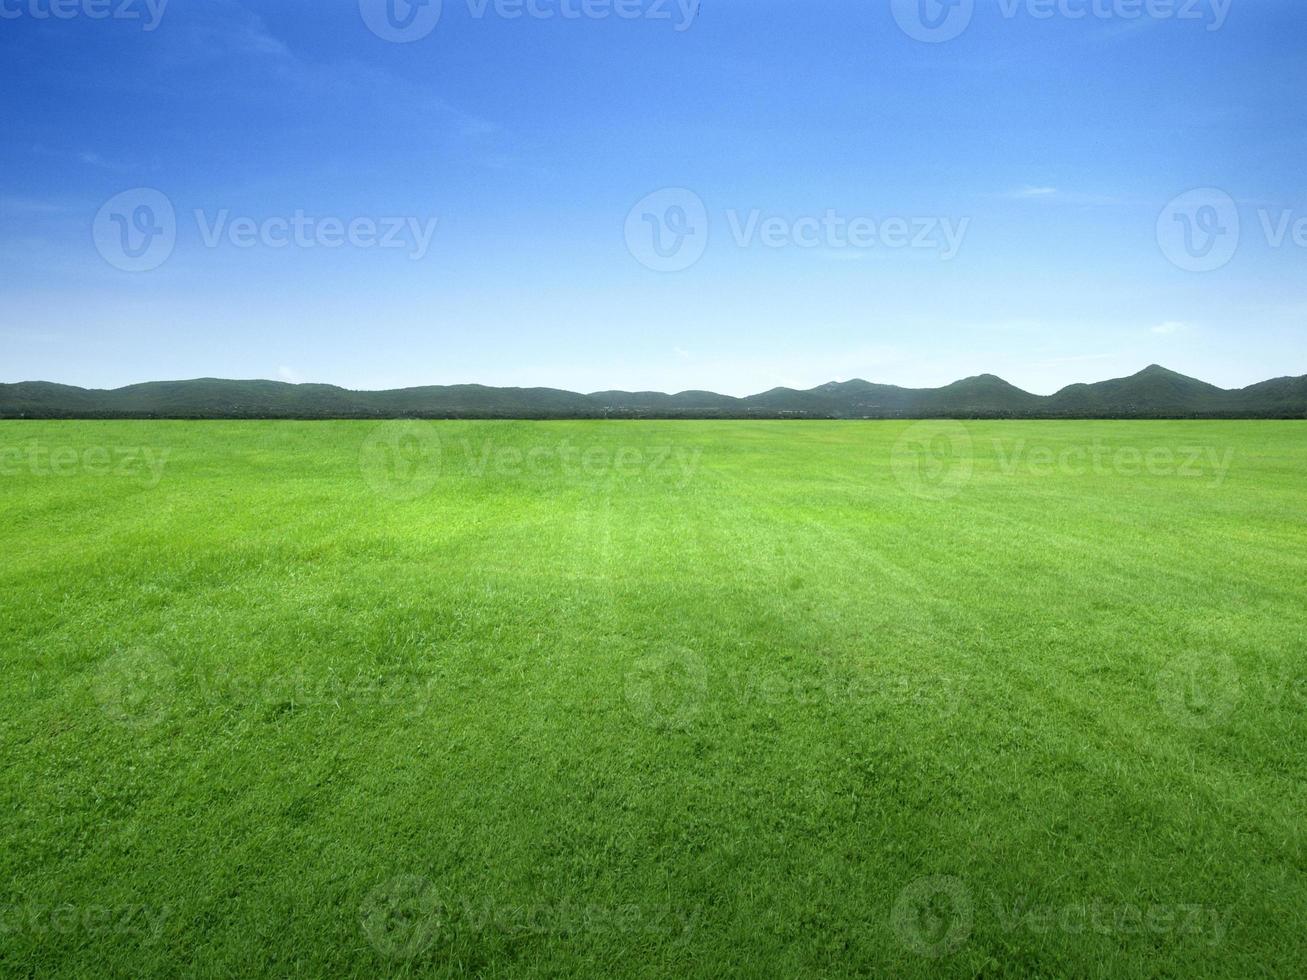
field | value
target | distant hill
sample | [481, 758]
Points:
[1154, 392]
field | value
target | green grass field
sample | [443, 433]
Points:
[653, 699]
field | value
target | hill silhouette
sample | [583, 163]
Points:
[1154, 392]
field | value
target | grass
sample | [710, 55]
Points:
[653, 699]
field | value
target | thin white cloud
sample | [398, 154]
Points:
[226, 28]
[1055, 195]
[1169, 327]
[88, 158]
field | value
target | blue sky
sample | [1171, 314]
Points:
[1049, 146]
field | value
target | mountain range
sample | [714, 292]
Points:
[1154, 392]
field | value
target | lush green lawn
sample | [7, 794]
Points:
[653, 699]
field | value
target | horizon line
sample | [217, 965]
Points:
[1154, 367]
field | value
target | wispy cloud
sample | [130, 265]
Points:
[225, 29]
[1169, 327]
[228, 31]
[1055, 195]
[88, 158]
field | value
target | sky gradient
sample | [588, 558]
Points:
[1010, 190]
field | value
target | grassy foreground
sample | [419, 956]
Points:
[653, 699]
